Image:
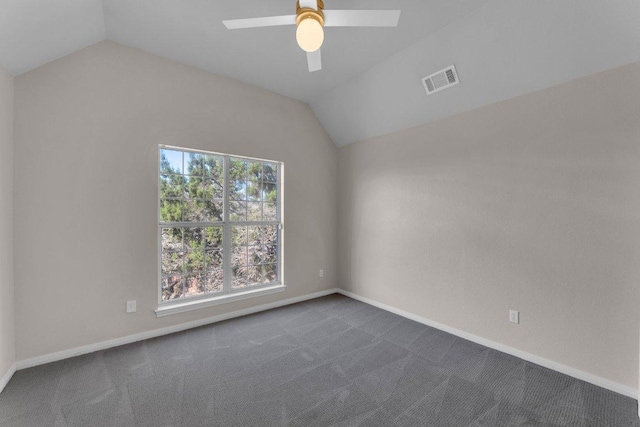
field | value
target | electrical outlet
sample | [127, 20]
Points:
[131, 306]
[321, 273]
[514, 316]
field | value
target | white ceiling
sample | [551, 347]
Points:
[370, 84]
[34, 32]
[191, 31]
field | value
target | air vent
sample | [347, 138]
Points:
[441, 80]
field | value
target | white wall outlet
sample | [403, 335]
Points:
[131, 306]
[514, 316]
[321, 274]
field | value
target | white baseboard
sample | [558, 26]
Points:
[78, 351]
[7, 377]
[567, 370]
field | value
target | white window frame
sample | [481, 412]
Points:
[228, 294]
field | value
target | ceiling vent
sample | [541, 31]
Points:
[441, 80]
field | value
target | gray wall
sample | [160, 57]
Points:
[7, 326]
[87, 130]
[532, 204]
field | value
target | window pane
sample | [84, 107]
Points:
[171, 210]
[254, 211]
[194, 164]
[212, 211]
[194, 187]
[213, 238]
[192, 210]
[194, 284]
[193, 238]
[172, 239]
[170, 161]
[269, 273]
[254, 191]
[239, 257]
[214, 268]
[269, 254]
[262, 244]
[254, 255]
[238, 190]
[254, 171]
[171, 186]
[213, 259]
[253, 233]
[215, 281]
[239, 279]
[214, 167]
[269, 192]
[237, 169]
[238, 211]
[268, 234]
[270, 212]
[212, 189]
[194, 262]
[171, 263]
[254, 275]
[239, 235]
[171, 287]
[263, 254]
[270, 172]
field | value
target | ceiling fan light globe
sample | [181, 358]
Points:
[310, 35]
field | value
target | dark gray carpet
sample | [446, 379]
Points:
[331, 361]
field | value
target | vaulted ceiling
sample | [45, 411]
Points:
[370, 84]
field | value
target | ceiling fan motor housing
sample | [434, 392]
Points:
[309, 13]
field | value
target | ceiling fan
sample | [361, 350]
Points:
[311, 18]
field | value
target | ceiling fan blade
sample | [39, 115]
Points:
[315, 61]
[311, 4]
[361, 18]
[266, 21]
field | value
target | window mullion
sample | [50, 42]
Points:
[279, 198]
[226, 231]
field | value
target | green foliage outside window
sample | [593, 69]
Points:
[192, 201]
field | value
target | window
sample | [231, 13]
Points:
[219, 224]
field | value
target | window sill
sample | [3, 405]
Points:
[181, 307]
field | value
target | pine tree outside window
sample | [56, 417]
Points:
[219, 224]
